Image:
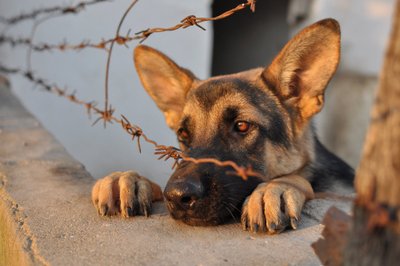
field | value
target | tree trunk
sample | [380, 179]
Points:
[373, 237]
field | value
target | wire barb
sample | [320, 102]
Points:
[252, 5]
[167, 152]
[133, 130]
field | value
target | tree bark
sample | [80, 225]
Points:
[373, 237]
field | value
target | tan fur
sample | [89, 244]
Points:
[302, 70]
[129, 189]
[295, 81]
[159, 73]
[285, 162]
[298, 76]
[262, 209]
[207, 122]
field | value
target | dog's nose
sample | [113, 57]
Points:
[184, 194]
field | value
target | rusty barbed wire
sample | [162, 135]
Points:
[90, 106]
[41, 47]
[123, 40]
[136, 132]
[192, 20]
[143, 35]
[35, 26]
[107, 114]
[109, 58]
[49, 10]
[15, 41]
[167, 152]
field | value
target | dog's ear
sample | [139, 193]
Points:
[166, 82]
[302, 70]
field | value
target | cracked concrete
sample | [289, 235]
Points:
[50, 195]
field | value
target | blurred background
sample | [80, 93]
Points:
[242, 41]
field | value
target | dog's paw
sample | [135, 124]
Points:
[125, 193]
[275, 205]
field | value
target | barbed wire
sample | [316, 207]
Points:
[136, 132]
[49, 10]
[109, 58]
[107, 114]
[143, 35]
[186, 22]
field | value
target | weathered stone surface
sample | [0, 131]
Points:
[51, 192]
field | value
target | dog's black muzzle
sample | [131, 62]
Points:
[205, 194]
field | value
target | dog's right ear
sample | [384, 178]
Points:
[165, 82]
[304, 67]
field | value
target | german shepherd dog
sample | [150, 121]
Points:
[260, 117]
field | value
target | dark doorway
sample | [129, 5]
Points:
[247, 40]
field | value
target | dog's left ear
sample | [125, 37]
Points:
[302, 70]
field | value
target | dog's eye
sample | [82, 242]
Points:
[242, 126]
[183, 135]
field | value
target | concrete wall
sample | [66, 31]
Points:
[103, 151]
[365, 25]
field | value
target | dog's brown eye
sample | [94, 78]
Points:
[242, 126]
[183, 135]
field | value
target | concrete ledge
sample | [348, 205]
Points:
[46, 195]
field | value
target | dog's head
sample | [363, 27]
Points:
[258, 117]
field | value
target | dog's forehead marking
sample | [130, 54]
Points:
[208, 93]
[209, 103]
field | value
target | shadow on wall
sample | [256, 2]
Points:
[248, 40]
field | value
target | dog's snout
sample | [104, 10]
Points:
[184, 194]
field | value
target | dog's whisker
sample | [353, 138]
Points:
[234, 207]
[233, 200]
[229, 210]
[230, 184]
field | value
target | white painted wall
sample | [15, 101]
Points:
[365, 26]
[105, 150]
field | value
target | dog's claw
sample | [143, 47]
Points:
[294, 222]
[146, 210]
[129, 211]
[254, 228]
[272, 226]
[136, 207]
[244, 223]
[103, 210]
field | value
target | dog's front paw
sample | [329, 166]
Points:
[125, 193]
[275, 205]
